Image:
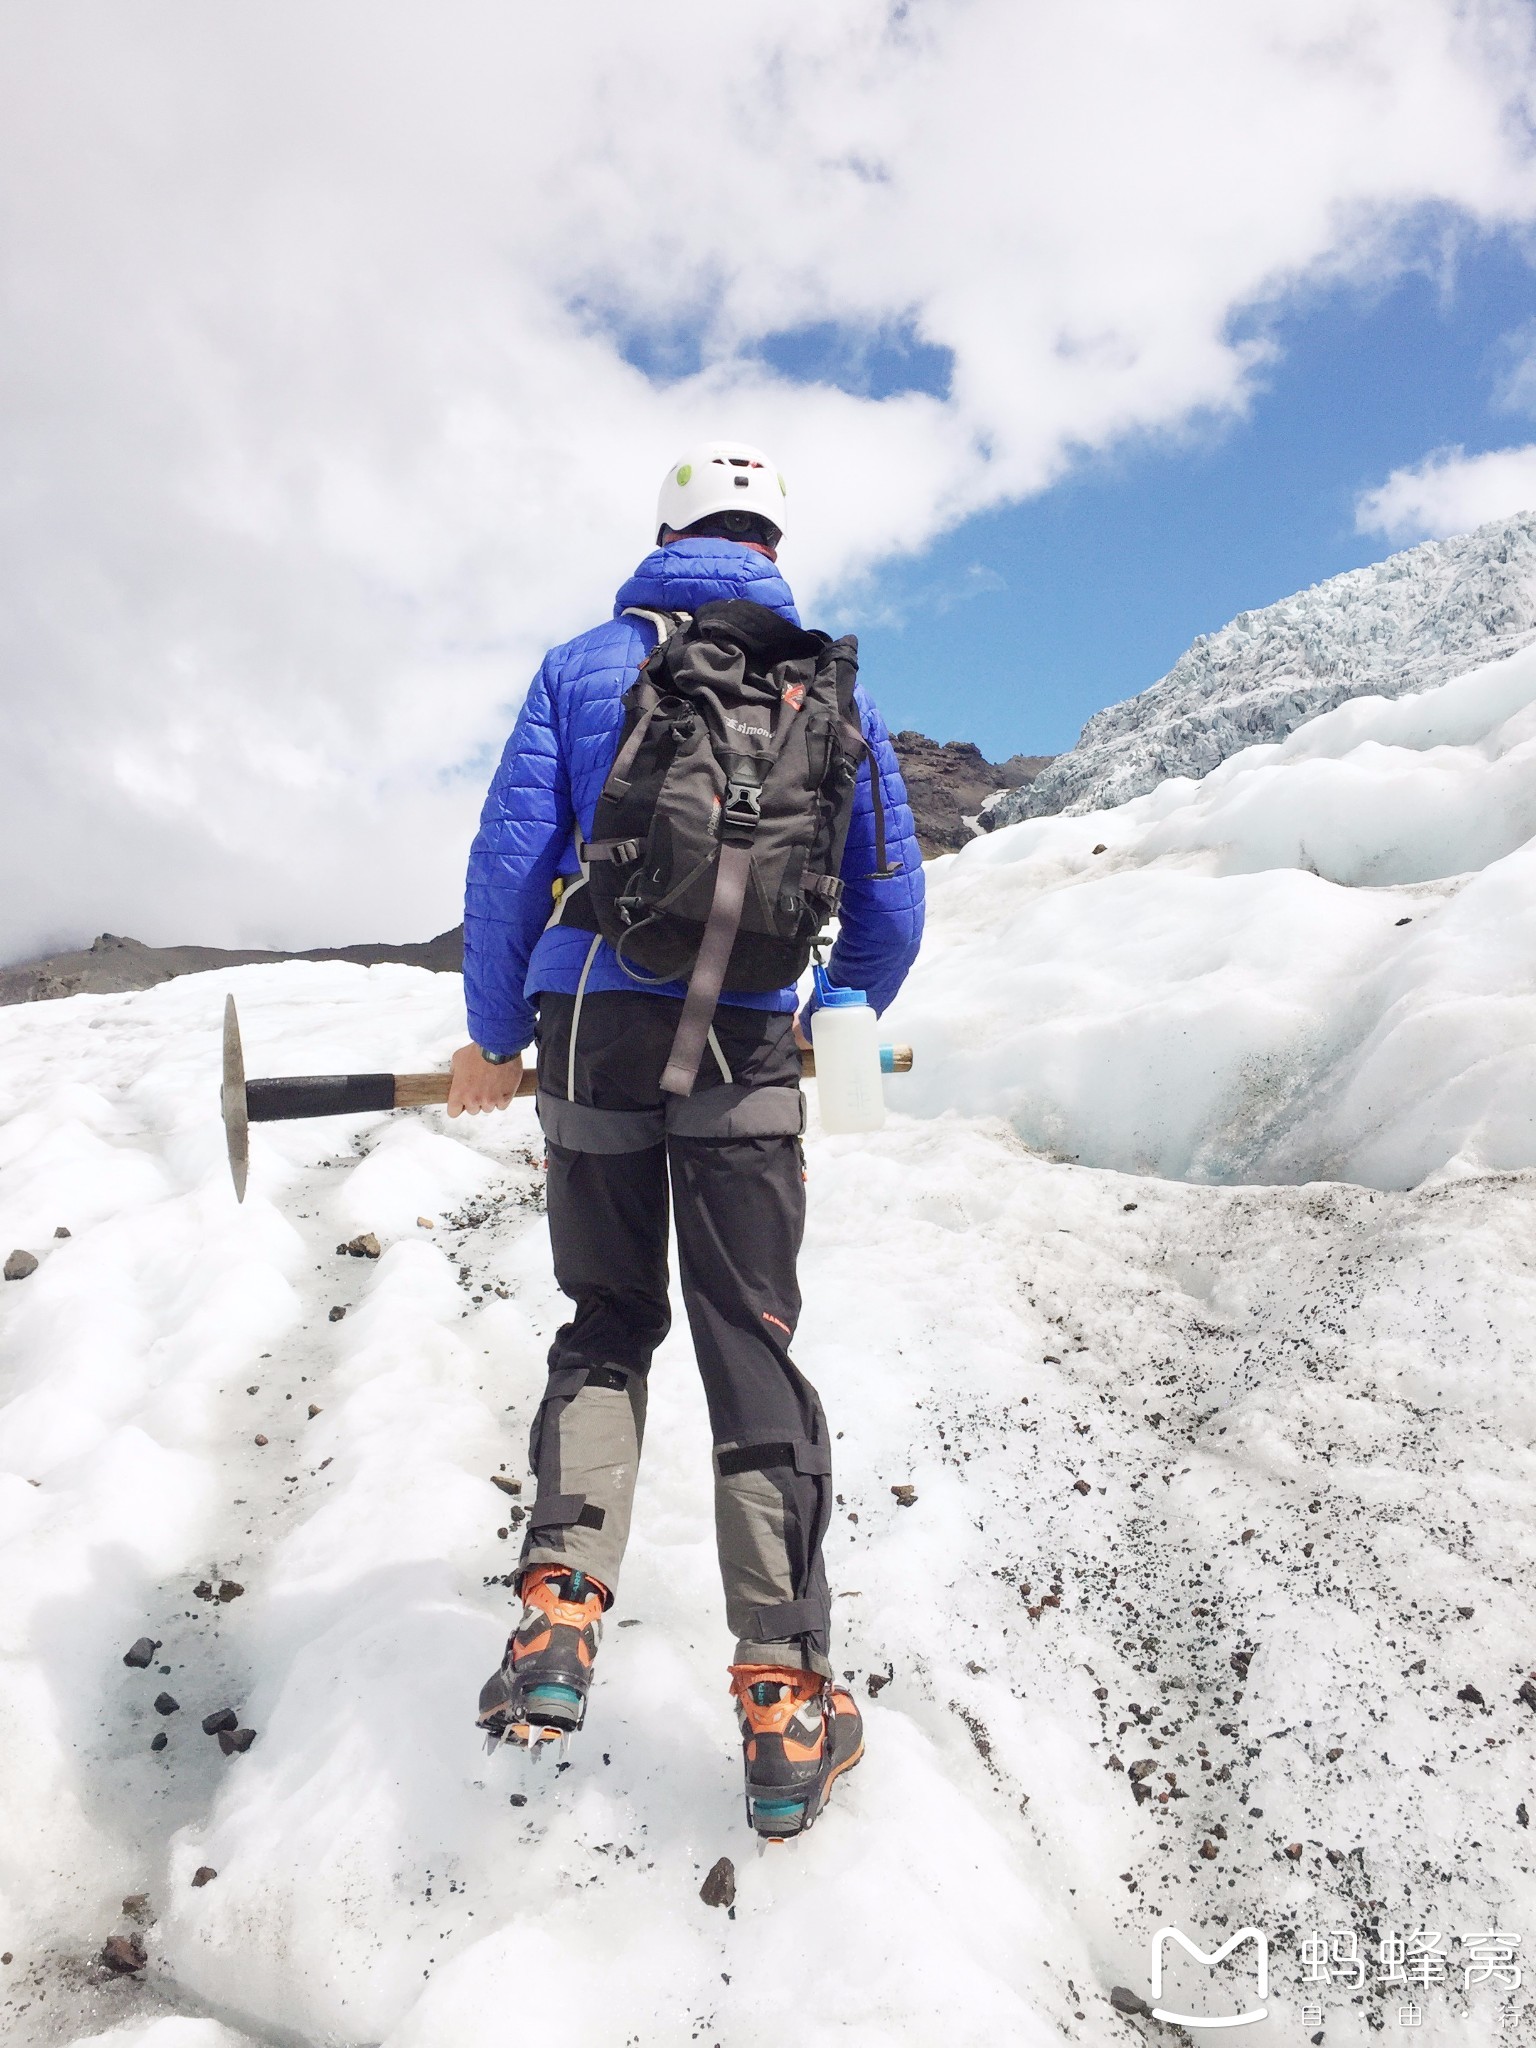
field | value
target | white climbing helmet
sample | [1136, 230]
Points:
[720, 476]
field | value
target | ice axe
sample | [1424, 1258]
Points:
[289, 1096]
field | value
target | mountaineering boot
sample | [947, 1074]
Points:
[540, 1692]
[799, 1731]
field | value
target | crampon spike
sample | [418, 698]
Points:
[790, 1844]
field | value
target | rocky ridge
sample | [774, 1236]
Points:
[113, 965]
[946, 786]
[1400, 626]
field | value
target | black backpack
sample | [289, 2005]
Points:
[718, 838]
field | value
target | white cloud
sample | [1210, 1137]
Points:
[316, 423]
[1449, 492]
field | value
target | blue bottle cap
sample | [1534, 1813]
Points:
[830, 997]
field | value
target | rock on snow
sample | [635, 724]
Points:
[1219, 1495]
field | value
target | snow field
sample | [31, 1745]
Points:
[1304, 1417]
[1317, 963]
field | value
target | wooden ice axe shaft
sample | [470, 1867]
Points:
[288, 1096]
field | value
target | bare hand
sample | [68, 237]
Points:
[800, 1038]
[477, 1083]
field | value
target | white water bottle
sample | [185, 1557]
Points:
[847, 1059]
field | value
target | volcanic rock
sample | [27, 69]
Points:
[1129, 2003]
[719, 1888]
[947, 784]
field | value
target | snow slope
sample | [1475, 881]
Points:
[1402, 625]
[1317, 963]
[1302, 1420]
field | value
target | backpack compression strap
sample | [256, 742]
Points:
[884, 869]
[738, 826]
[708, 976]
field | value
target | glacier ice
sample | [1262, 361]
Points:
[1400, 626]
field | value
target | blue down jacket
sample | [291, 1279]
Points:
[553, 771]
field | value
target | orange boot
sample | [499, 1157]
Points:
[799, 1732]
[540, 1692]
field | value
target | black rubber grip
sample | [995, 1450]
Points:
[294, 1095]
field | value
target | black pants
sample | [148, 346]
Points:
[732, 1153]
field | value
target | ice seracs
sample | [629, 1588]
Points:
[1400, 626]
[1317, 963]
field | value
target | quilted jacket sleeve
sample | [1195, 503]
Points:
[525, 827]
[881, 921]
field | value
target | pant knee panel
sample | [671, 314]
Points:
[584, 1449]
[772, 1506]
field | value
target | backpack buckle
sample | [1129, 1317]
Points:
[622, 852]
[743, 797]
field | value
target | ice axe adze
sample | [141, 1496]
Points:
[298, 1095]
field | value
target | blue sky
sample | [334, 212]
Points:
[1016, 627]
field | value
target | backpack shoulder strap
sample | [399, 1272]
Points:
[665, 623]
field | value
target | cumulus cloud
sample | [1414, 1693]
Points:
[1449, 492]
[342, 346]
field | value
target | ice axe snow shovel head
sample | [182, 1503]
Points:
[289, 1096]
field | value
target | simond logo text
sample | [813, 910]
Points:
[756, 732]
[1184, 2019]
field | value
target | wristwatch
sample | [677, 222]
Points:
[497, 1059]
